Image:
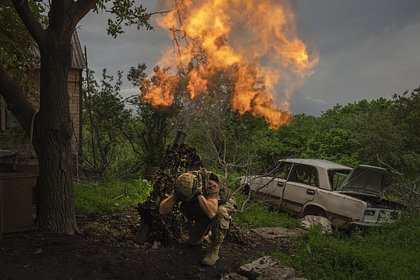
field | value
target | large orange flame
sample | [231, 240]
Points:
[257, 38]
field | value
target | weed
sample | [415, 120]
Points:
[109, 196]
[258, 214]
[391, 252]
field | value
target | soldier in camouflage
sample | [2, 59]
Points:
[206, 204]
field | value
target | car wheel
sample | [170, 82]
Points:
[315, 211]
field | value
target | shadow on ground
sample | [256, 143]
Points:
[106, 250]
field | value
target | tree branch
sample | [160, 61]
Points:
[31, 23]
[81, 8]
[16, 99]
[159, 12]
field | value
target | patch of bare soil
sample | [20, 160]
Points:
[106, 250]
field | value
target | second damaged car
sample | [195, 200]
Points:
[347, 197]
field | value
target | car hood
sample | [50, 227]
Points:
[366, 179]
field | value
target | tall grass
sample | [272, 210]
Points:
[257, 214]
[391, 252]
[110, 196]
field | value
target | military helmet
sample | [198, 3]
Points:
[186, 186]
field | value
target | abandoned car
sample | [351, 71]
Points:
[347, 197]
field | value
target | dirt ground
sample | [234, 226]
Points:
[106, 250]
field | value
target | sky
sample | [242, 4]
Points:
[367, 49]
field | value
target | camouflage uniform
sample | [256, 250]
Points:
[201, 225]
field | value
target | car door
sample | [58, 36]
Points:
[271, 187]
[300, 187]
[275, 187]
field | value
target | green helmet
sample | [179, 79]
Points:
[186, 186]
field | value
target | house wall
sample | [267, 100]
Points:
[25, 152]
[74, 89]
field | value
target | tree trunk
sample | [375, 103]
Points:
[52, 139]
[52, 128]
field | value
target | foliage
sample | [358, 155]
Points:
[104, 114]
[335, 144]
[123, 136]
[256, 214]
[16, 45]
[243, 135]
[406, 115]
[287, 142]
[110, 196]
[123, 12]
[372, 129]
[387, 253]
[376, 132]
[150, 128]
[149, 132]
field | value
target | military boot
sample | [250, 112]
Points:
[211, 258]
[218, 232]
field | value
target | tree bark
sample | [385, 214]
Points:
[17, 101]
[52, 139]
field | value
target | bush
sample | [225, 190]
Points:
[390, 252]
[110, 196]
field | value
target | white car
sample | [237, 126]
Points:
[346, 196]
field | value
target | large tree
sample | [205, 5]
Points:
[51, 125]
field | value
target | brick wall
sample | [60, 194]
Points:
[74, 101]
[26, 154]
[75, 110]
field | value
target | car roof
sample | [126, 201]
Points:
[326, 164]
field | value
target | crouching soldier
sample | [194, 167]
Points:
[206, 204]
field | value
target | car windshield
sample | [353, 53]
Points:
[337, 177]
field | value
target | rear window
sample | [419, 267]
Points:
[304, 174]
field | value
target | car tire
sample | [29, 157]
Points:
[315, 211]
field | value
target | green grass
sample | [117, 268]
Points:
[392, 252]
[257, 214]
[389, 252]
[110, 196]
